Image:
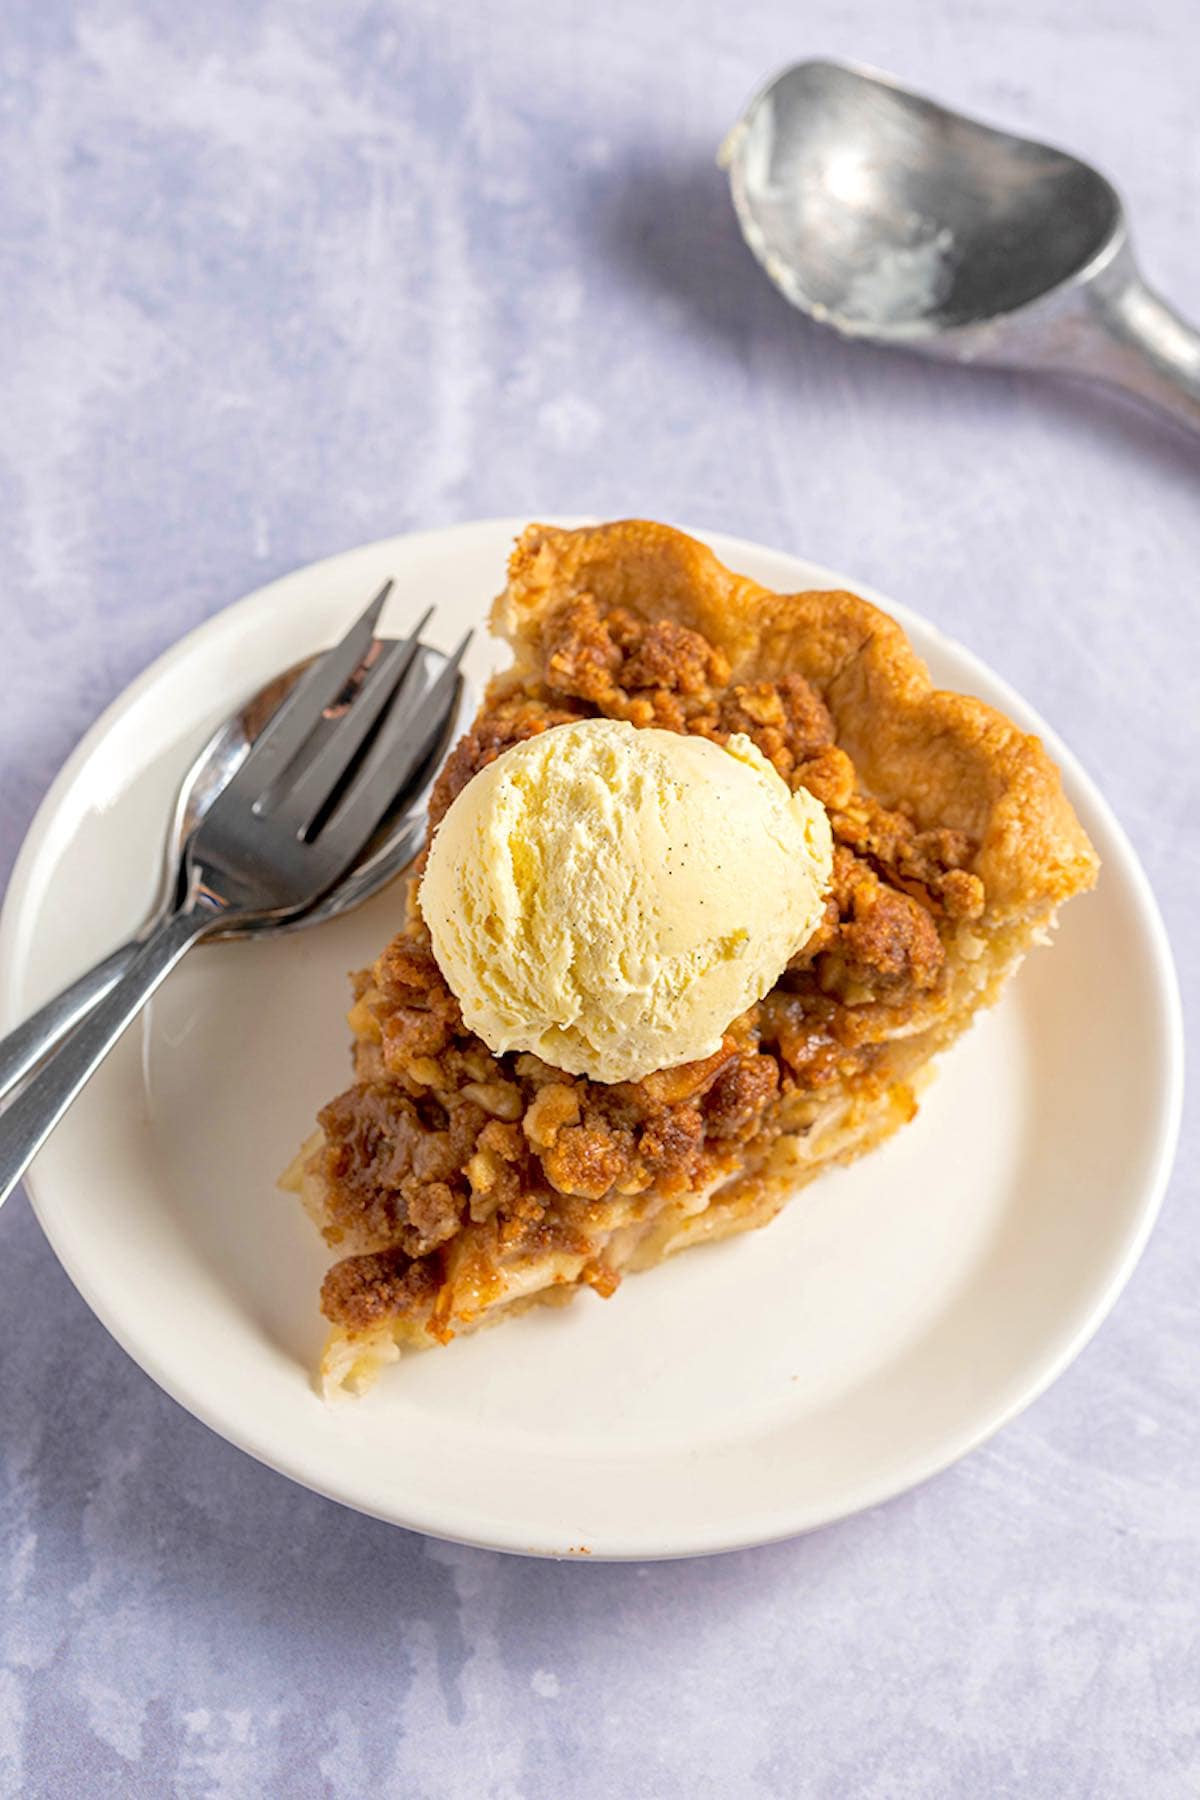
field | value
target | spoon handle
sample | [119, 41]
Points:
[1145, 347]
[32, 1116]
[32, 1041]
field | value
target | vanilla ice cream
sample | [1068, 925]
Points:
[611, 898]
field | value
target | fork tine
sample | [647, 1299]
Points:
[405, 739]
[299, 802]
[292, 722]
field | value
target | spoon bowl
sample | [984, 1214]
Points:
[897, 221]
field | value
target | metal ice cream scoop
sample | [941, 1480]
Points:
[899, 222]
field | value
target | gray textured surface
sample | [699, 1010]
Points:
[275, 279]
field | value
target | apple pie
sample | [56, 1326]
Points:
[458, 1186]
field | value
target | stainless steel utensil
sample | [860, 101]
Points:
[284, 829]
[900, 222]
[392, 847]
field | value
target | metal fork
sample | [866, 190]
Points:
[268, 847]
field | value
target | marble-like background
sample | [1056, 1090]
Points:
[277, 278]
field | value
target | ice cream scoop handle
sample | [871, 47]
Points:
[1139, 343]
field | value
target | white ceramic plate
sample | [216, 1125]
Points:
[891, 1319]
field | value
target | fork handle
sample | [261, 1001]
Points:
[32, 1041]
[32, 1116]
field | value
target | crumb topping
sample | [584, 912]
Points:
[441, 1148]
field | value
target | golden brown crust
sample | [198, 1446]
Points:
[951, 759]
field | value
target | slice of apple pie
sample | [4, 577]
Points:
[459, 1185]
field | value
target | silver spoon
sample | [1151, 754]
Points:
[391, 848]
[899, 222]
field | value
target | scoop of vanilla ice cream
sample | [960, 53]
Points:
[612, 897]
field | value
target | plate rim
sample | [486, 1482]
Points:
[1167, 1007]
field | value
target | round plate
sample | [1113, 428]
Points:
[892, 1318]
